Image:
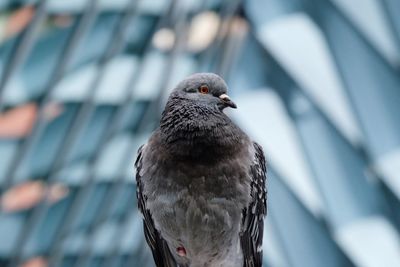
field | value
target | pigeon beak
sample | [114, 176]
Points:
[227, 101]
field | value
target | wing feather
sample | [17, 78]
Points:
[161, 253]
[253, 216]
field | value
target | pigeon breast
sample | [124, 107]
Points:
[198, 205]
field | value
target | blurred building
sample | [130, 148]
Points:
[82, 83]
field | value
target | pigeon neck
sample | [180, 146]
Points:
[196, 132]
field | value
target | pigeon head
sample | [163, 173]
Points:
[193, 123]
[207, 90]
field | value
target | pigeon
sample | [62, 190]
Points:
[201, 182]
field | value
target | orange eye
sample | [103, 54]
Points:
[203, 89]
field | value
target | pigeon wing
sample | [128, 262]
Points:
[253, 216]
[161, 253]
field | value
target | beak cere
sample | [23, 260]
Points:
[227, 101]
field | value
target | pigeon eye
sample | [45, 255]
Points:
[203, 89]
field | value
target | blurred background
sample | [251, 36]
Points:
[83, 82]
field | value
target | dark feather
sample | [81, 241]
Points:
[161, 253]
[253, 216]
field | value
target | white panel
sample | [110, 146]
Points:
[74, 87]
[114, 83]
[151, 73]
[148, 6]
[298, 45]
[15, 91]
[112, 157]
[369, 17]
[371, 242]
[74, 174]
[74, 243]
[389, 167]
[66, 5]
[104, 237]
[10, 226]
[134, 227]
[111, 89]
